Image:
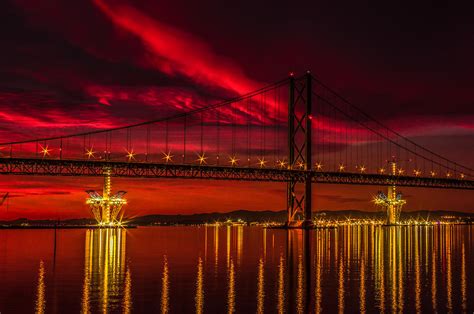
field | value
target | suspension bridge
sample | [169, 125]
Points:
[297, 131]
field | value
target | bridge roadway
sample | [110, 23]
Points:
[94, 168]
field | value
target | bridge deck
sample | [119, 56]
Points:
[91, 168]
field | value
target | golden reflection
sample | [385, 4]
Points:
[340, 290]
[449, 285]
[199, 299]
[281, 286]
[387, 269]
[205, 243]
[231, 288]
[240, 241]
[165, 286]
[380, 269]
[127, 295]
[401, 267]
[319, 254]
[261, 286]
[393, 259]
[228, 245]
[433, 279]
[105, 277]
[463, 279]
[265, 243]
[40, 290]
[417, 273]
[216, 248]
[86, 287]
[300, 286]
[362, 286]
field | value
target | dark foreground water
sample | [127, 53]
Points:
[238, 269]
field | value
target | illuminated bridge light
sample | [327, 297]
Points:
[342, 167]
[202, 159]
[90, 153]
[448, 174]
[382, 170]
[130, 155]
[362, 169]
[167, 157]
[262, 162]
[432, 173]
[281, 163]
[462, 175]
[417, 172]
[233, 160]
[401, 171]
[45, 150]
[319, 166]
[301, 164]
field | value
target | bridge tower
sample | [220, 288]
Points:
[299, 144]
[392, 202]
[106, 207]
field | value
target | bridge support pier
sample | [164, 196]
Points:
[299, 194]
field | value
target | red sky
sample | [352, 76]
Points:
[69, 67]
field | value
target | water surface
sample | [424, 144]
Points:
[237, 269]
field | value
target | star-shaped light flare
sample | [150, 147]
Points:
[45, 150]
[167, 157]
[202, 159]
[90, 153]
[233, 160]
[130, 155]
[262, 162]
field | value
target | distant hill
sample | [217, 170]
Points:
[246, 215]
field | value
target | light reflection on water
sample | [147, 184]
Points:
[238, 269]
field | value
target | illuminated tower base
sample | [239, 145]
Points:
[392, 202]
[107, 208]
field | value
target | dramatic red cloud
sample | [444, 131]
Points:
[173, 51]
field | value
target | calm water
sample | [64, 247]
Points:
[240, 269]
